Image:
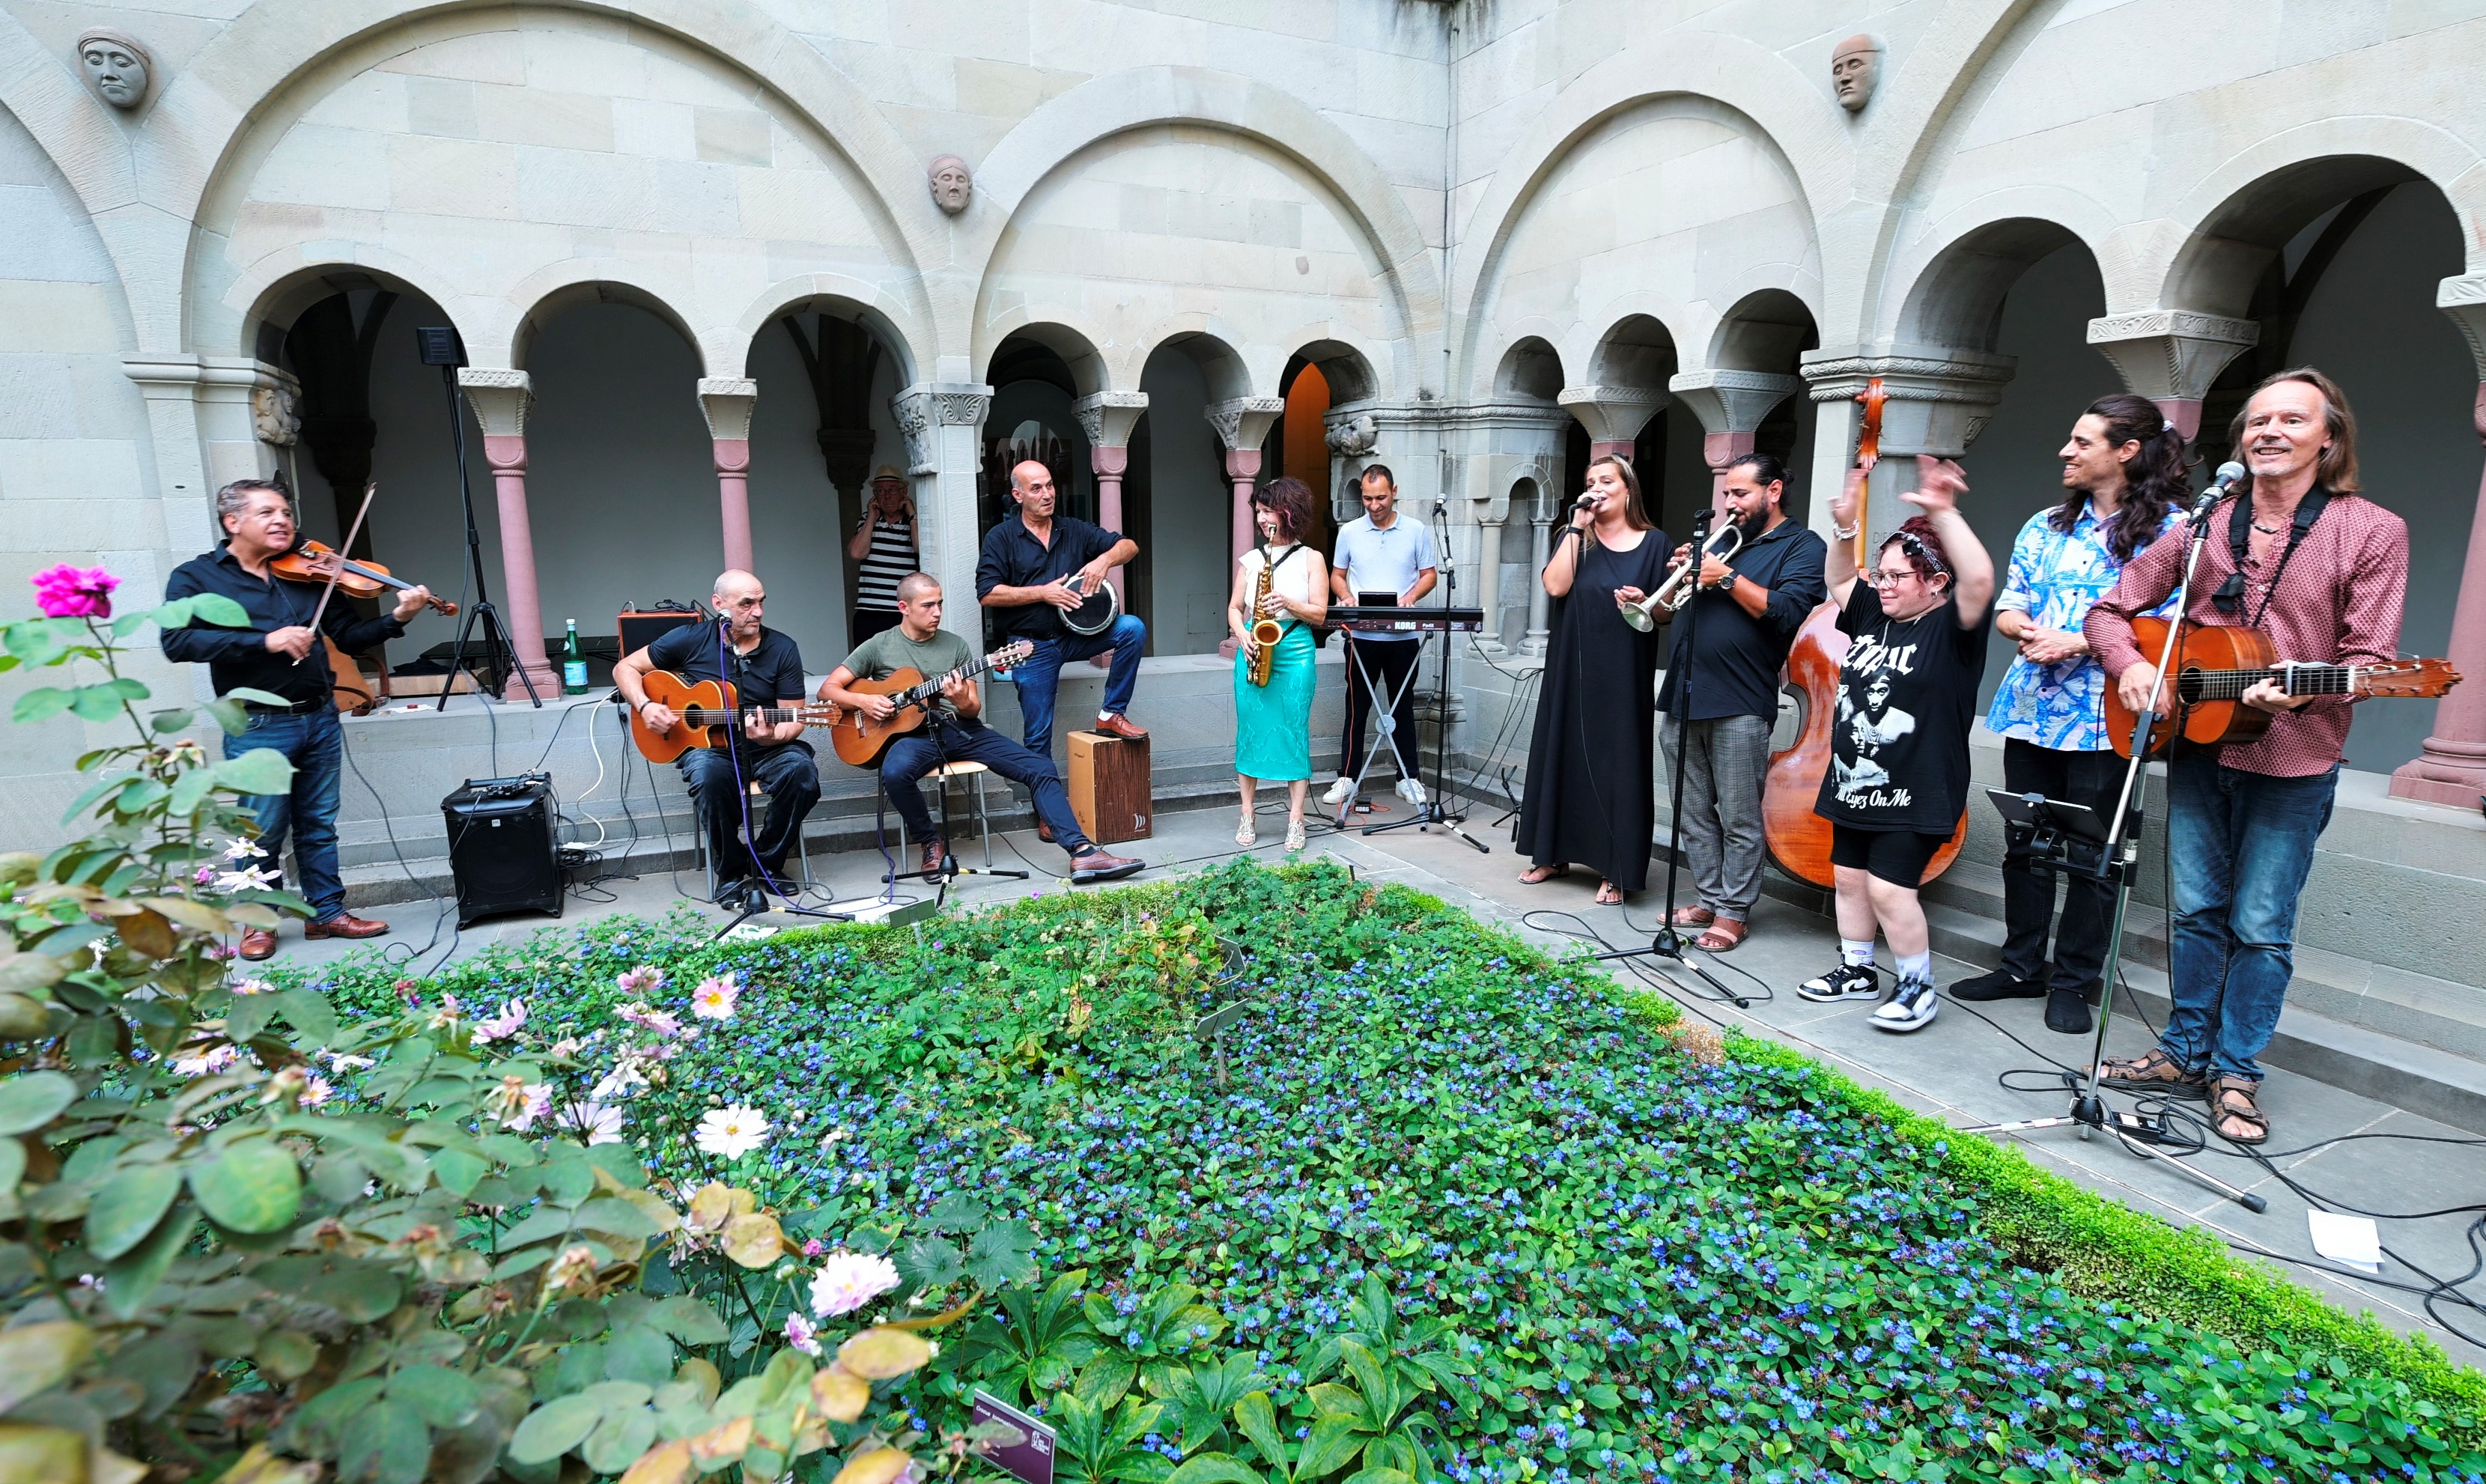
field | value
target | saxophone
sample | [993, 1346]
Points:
[1265, 631]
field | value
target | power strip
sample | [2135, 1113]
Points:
[872, 909]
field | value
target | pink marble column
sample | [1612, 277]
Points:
[2452, 768]
[1109, 465]
[1720, 450]
[2185, 412]
[1242, 466]
[520, 607]
[734, 499]
[1603, 449]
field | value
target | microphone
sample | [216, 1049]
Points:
[2230, 475]
[1700, 521]
[1585, 501]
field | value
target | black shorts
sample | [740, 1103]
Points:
[1898, 856]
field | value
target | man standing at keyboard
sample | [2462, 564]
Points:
[1377, 552]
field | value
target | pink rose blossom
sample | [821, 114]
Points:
[67, 592]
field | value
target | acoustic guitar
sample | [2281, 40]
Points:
[707, 715]
[862, 741]
[2215, 664]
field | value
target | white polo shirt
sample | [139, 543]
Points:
[1379, 560]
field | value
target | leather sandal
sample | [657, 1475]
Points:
[2234, 1113]
[2155, 1072]
[1722, 937]
[1693, 916]
[1608, 895]
[1538, 875]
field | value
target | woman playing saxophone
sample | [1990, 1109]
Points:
[1281, 592]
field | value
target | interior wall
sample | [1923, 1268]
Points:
[2371, 323]
[416, 525]
[2012, 468]
[1030, 400]
[1189, 509]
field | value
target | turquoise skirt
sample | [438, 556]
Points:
[1273, 723]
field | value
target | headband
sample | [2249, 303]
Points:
[1914, 547]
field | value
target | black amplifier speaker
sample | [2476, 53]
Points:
[504, 846]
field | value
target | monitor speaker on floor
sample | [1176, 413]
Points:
[504, 846]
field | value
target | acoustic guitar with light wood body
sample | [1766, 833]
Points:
[862, 741]
[707, 714]
[2215, 664]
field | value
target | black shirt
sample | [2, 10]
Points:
[1736, 658]
[240, 657]
[1013, 558]
[1907, 697]
[771, 673]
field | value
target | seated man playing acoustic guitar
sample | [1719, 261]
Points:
[919, 644]
[767, 671]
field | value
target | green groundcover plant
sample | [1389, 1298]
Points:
[1568, 1241]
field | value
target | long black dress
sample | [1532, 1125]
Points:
[1591, 793]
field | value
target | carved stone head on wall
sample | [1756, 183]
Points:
[1855, 66]
[116, 66]
[952, 183]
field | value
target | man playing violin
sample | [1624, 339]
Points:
[955, 732]
[2322, 571]
[1036, 568]
[765, 669]
[279, 653]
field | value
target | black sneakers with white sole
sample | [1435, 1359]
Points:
[1912, 1008]
[1847, 981]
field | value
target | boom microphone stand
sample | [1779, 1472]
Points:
[1668, 944]
[1433, 811]
[440, 347]
[2118, 860]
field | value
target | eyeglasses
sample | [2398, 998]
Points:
[1881, 579]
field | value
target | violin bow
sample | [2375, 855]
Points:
[1868, 453]
[343, 548]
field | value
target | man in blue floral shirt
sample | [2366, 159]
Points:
[2124, 478]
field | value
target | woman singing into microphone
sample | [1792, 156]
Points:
[1898, 751]
[1591, 795]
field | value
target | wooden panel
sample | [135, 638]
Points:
[1109, 787]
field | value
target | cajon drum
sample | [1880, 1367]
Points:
[1109, 787]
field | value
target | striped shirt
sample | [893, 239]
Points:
[892, 558]
[2337, 602]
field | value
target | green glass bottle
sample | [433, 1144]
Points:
[573, 664]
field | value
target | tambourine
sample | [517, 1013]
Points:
[1096, 615]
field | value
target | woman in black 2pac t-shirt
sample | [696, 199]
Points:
[1898, 750]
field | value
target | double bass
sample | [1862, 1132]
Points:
[1797, 839]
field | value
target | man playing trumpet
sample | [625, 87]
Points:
[1721, 695]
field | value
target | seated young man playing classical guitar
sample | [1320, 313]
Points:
[919, 644]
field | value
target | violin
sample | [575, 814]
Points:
[1797, 839]
[306, 563]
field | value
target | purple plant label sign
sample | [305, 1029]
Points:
[1032, 1460]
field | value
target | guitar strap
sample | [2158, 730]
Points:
[2230, 596]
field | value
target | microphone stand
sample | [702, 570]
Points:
[498, 648]
[2118, 860]
[1668, 944]
[1432, 812]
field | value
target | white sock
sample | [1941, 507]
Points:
[1104, 716]
[1917, 968]
[1851, 952]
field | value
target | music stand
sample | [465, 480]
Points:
[439, 345]
[2063, 843]
[1432, 812]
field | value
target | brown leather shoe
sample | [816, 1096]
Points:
[258, 942]
[1098, 866]
[1045, 832]
[345, 924]
[1121, 726]
[935, 851]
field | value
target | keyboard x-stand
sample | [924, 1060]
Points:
[1420, 621]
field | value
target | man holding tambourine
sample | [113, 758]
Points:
[1045, 576]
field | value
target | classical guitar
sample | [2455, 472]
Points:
[2214, 665]
[707, 715]
[861, 741]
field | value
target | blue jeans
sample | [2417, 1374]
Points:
[1037, 677]
[314, 742]
[2242, 846]
[911, 758]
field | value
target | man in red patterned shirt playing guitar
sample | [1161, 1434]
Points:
[2297, 553]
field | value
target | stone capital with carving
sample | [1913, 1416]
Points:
[1939, 398]
[921, 410]
[1242, 423]
[1351, 434]
[500, 399]
[727, 401]
[2464, 300]
[2172, 356]
[1732, 401]
[1107, 418]
[1613, 414]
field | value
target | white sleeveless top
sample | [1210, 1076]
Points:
[1294, 577]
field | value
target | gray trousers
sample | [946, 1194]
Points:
[1728, 760]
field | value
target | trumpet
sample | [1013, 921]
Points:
[1678, 589]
